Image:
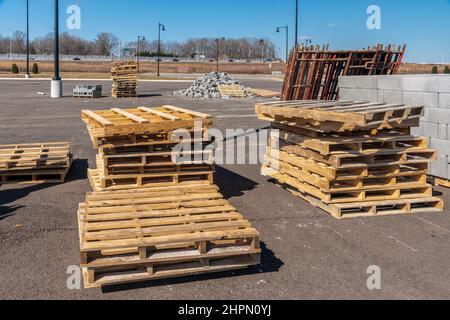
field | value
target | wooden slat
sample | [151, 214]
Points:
[104, 122]
[130, 116]
[158, 113]
[193, 113]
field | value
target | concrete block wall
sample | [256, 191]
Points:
[430, 91]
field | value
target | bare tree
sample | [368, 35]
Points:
[106, 43]
[18, 42]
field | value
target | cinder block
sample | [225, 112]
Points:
[439, 168]
[426, 83]
[442, 146]
[443, 131]
[430, 129]
[359, 82]
[444, 100]
[437, 115]
[359, 94]
[390, 96]
[417, 131]
[420, 99]
[390, 82]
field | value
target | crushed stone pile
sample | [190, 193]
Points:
[207, 86]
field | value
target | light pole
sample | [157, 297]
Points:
[28, 41]
[56, 84]
[217, 41]
[161, 27]
[287, 39]
[138, 52]
[296, 23]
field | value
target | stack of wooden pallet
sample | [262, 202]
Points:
[124, 75]
[352, 159]
[151, 217]
[34, 162]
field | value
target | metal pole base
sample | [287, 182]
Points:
[56, 89]
[27, 76]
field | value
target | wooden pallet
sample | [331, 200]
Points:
[159, 163]
[34, 176]
[139, 162]
[337, 116]
[162, 233]
[350, 172]
[345, 159]
[372, 182]
[374, 208]
[126, 182]
[124, 76]
[356, 144]
[34, 156]
[264, 93]
[140, 121]
[234, 91]
[407, 190]
[441, 182]
[169, 138]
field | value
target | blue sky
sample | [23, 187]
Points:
[423, 25]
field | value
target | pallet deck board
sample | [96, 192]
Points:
[108, 123]
[350, 113]
[234, 91]
[34, 163]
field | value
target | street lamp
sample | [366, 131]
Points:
[138, 53]
[296, 23]
[287, 39]
[161, 27]
[56, 84]
[217, 41]
[28, 41]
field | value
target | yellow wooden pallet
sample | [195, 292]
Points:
[338, 116]
[162, 233]
[442, 182]
[124, 122]
[369, 209]
[234, 91]
[264, 93]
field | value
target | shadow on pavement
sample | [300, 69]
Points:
[269, 263]
[232, 184]
[78, 171]
[12, 195]
[149, 95]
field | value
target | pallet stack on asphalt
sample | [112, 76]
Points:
[34, 163]
[313, 72]
[135, 147]
[351, 159]
[150, 216]
[124, 75]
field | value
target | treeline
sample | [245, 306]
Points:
[104, 44]
[107, 44]
[244, 48]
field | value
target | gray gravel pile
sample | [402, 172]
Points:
[207, 87]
